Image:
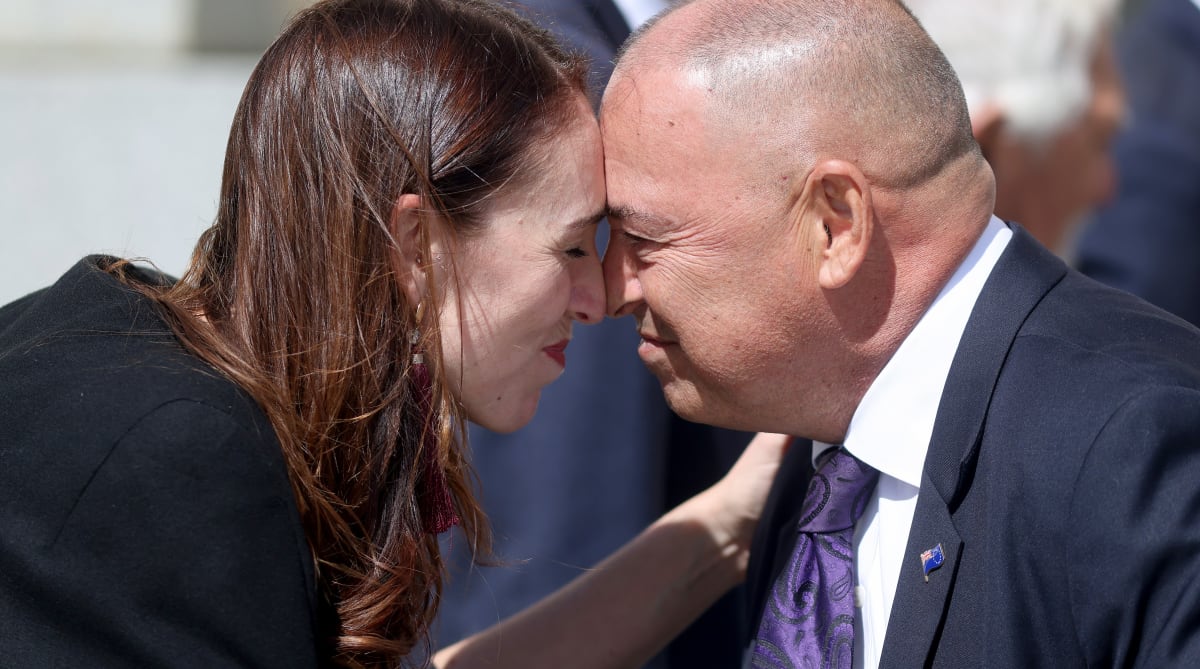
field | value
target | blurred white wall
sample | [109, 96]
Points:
[95, 23]
[113, 120]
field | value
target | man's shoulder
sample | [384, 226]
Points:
[1099, 332]
[1085, 356]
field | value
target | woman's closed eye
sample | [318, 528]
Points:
[576, 252]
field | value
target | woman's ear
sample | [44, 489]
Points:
[405, 227]
[843, 220]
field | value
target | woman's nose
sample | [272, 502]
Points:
[587, 294]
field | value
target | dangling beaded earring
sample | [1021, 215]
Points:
[433, 493]
[414, 338]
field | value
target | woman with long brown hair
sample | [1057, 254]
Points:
[250, 465]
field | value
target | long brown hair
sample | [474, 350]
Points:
[293, 293]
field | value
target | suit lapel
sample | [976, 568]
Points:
[1021, 278]
[920, 606]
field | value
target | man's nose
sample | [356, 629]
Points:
[621, 280]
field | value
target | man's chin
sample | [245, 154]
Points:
[683, 399]
[681, 394]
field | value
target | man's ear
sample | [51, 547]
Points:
[405, 226]
[842, 220]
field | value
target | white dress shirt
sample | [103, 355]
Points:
[890, 431]
[637, 12]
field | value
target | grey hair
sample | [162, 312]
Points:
[1029, 58]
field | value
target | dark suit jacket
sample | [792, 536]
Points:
[146, 519]
[1062, 481]
[603, 457]
[1147, 240]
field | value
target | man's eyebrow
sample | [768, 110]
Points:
[630, 214]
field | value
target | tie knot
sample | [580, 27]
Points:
[837, 494]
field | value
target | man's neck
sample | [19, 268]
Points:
[917, 274]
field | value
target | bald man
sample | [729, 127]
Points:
[1003, 465]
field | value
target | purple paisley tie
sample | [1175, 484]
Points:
[809, 618]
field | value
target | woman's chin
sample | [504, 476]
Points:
[508, 417]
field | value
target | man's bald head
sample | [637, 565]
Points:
[856, 79]
[790, 184]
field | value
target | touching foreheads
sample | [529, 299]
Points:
[855, 79]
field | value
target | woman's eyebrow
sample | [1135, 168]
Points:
[587, 221]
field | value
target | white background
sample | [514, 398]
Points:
[113, 123]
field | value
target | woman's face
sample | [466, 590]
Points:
[524, 278]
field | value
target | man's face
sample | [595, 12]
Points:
[702, 253]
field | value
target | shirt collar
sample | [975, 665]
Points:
[891, 427]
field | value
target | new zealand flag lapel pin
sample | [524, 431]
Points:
[932, 559]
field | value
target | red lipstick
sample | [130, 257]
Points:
[558, 352]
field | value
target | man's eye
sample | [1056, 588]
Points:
[576, 252]
[634, 239]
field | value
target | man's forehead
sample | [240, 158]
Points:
[650, 91]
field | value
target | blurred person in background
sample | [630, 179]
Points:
[1147, 239]
[250, 466]
[575, 484]
[1045, 99]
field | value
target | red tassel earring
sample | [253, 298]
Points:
[433, 493]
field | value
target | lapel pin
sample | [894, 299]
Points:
[932, 559]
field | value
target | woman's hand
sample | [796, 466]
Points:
[623, 611]
[733, 505]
